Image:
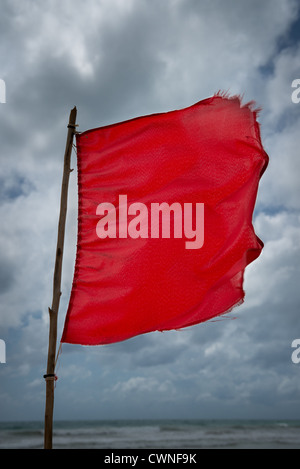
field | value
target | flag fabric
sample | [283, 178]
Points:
[164, 220]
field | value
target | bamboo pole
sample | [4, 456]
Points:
[53, 311]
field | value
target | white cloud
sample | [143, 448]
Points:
[141, 387]
[268, 280]
[281, 186]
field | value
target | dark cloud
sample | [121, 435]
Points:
[15, 186]
[154, 356]
[7, 274]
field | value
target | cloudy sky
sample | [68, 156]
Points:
[114, 60]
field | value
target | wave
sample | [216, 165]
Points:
[155, 434]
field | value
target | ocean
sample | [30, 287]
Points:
[155, 434]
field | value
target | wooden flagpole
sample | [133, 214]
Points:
[53, 311]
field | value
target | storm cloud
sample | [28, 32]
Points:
[115, 60]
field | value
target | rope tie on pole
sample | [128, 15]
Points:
[50, 377]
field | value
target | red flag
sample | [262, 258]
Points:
[165, 220]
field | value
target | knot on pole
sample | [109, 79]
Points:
[50, 377]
